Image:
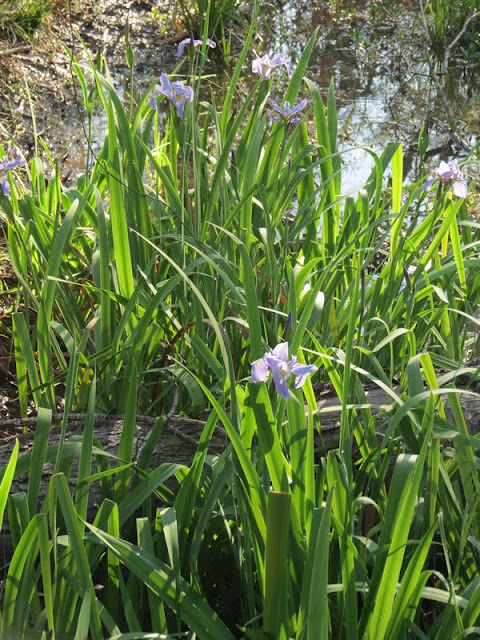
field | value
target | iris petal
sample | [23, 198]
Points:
[176, 92]
[448, 172]
[281, 369]
[281, 351]
[4, 186]
[302, 371]
[459, 187]
[259, 370]
[280, 382]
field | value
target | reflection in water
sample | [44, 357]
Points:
[376, 62]
[383, 88]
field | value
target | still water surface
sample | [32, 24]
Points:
[374, 55]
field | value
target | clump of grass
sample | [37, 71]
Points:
[220, 17]
[454, 25]
[23, 17]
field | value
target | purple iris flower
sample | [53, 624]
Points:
[288, 115]
[281, 367]
[6, 165]
[265, 65]
[196, 44]
[177, 92]
[448, 172]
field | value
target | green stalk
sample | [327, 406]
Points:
[275, 605]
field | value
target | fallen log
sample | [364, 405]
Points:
[180, 436]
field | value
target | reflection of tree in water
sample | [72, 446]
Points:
[384, 86]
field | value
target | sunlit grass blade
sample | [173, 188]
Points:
[39, 450]
[85, 461]
[458, 254]
[170, 534]
[397, 187]
[44, 546]
[24, 345]
[125, 447]
[404, 510]
[123, 259]
[414, 578]
[257, 408]
[16, 600]
[146, 542]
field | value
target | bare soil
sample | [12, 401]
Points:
[36, 74]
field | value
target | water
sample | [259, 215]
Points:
[384, 92]
[374, 55]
